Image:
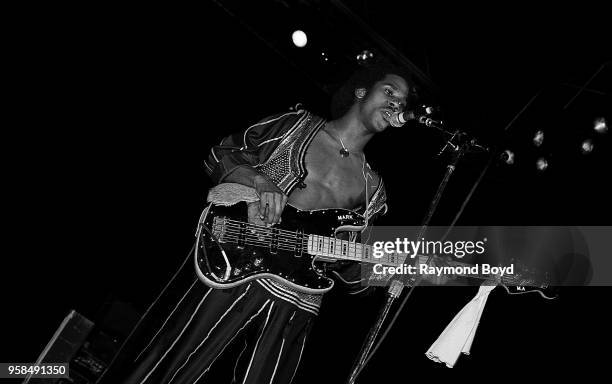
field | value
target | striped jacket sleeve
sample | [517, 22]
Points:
[251, 146]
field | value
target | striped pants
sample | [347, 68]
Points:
[270, 332]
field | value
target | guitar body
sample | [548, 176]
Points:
[231, 252]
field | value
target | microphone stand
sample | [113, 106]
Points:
[397, 284]
[396, 287]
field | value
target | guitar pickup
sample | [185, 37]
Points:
[218, 228]
[298, 249]
[274, 241]
[242, 235]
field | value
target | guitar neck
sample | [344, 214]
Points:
[323, 246]
[336, 249]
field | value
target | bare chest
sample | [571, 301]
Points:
[332, 181]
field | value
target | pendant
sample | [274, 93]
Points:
[344, 152]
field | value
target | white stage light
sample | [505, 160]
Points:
[542, 164]
[299, 38]
[538, 139]
[364, 55]
[601, 125]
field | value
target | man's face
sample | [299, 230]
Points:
[384, 98]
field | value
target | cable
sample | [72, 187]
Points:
[467, 199]
[586, 84]
[388, 329]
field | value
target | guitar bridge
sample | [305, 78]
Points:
[218, 228]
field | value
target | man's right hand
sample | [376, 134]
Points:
[272, 200]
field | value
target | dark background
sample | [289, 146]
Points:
[113, 110]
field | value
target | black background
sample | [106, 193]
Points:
[111, 113]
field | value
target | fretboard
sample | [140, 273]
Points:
[336, 249]
[332, 248]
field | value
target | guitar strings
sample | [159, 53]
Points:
[292, 249]
[288, 234]
[284, 237]
[255, 240]
[344, 247]
[282, 232]
[303, 247]
[349, 246]
[250, 240]
[260, 239]
[265, 234]
[263, 239]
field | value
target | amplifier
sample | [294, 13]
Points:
[63, 346]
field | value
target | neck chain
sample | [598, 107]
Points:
[344, 152]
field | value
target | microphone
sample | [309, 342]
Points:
[398, 119]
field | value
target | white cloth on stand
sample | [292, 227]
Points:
[458, 335]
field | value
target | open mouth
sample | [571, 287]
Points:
[387, 113]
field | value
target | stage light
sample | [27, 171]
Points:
[364, 55]
[587, 147]
[299, 38]
[542, 164]
[601, 125]
[507, 157]
[538, 139]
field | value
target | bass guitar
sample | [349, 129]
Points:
[230, 251]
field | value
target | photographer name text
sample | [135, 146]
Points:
[423, 269]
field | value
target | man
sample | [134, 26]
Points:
[294, 158]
